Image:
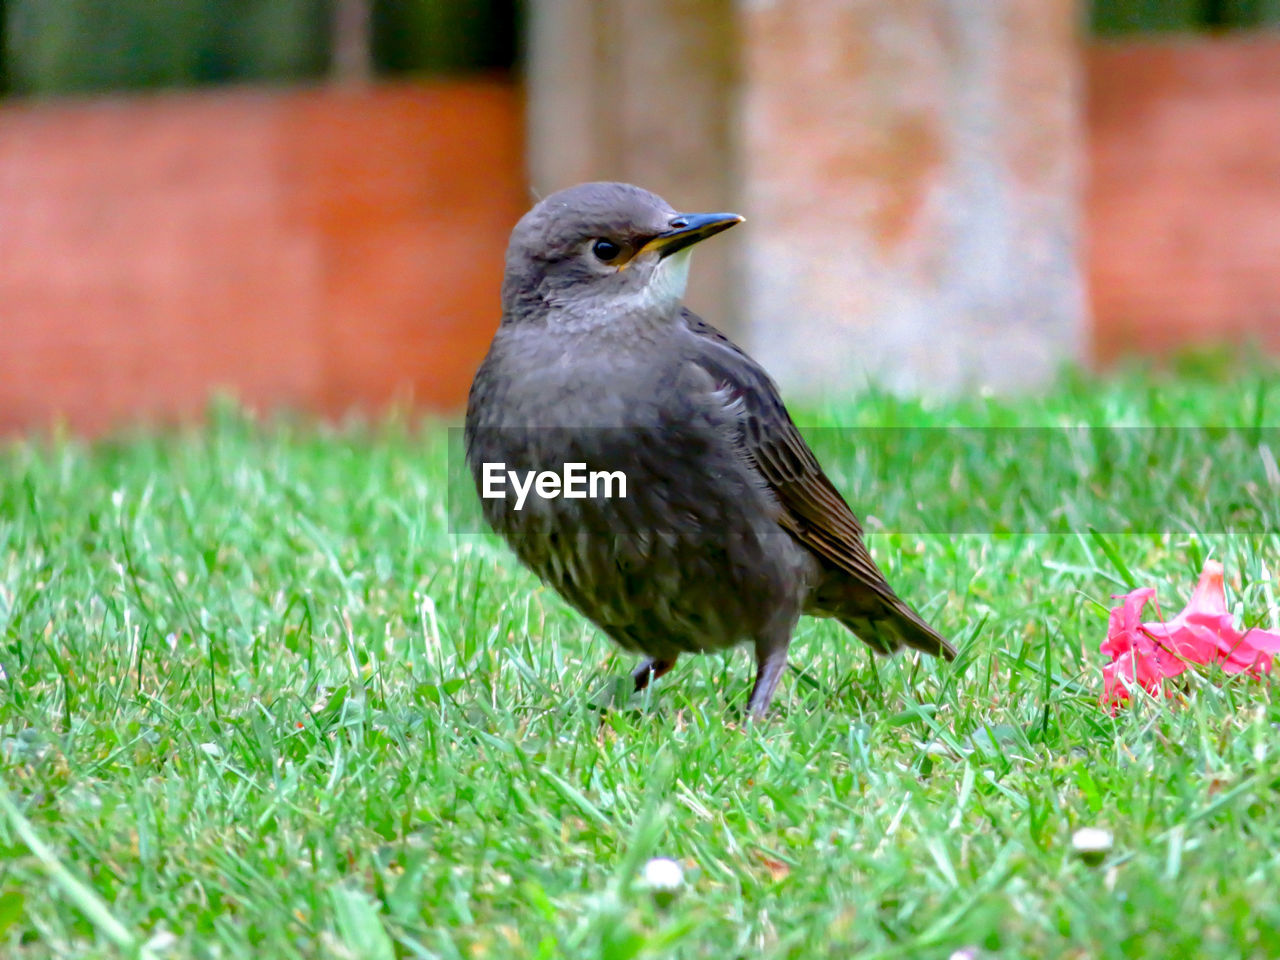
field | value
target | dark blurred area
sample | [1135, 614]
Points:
[54, 47]
[1120, 17]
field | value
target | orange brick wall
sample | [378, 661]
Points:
[311, 249]
[1184, 194]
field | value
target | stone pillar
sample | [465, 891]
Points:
[641, 91]
[908, 170]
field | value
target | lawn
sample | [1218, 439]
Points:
[261, 698]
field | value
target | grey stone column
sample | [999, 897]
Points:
[641, 91]
[909, 172]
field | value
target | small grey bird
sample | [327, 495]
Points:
[728, 530]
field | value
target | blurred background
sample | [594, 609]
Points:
[306, 202]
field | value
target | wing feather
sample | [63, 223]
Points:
[813, 510]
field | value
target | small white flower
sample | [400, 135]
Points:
[663, 878]
[663, 873]
[1091, 844]
[160, 942]
[965, 953]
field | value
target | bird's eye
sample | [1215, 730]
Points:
[606, 251]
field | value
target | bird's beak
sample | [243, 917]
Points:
[687, 229]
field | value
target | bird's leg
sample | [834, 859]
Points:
[651, 669]
[771, 660]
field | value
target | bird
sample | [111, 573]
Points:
[725, 529]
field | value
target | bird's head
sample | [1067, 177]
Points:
[598, 249]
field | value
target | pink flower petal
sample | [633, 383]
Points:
[1252, 653]
[1146, 654]
[1210, 595]
[1265, 641]
[1125, 619]
[1196, 640]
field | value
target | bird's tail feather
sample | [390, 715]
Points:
[894, 626]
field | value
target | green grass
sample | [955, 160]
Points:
[261, 702]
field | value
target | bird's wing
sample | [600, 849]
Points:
[813, 510]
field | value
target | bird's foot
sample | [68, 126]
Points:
[619, 690]
[650, 670]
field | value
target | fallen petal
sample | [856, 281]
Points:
[1146, 654]
[1210, 596]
